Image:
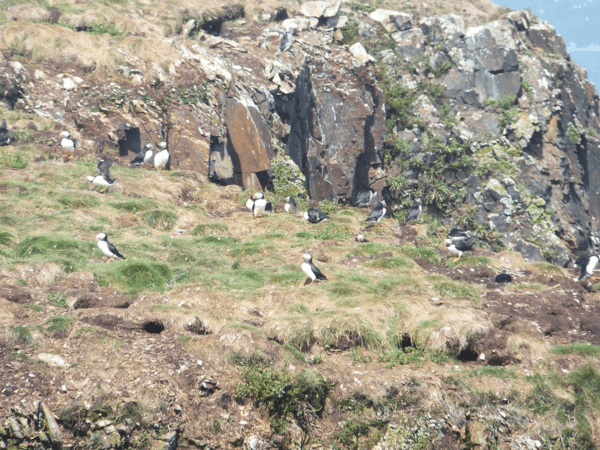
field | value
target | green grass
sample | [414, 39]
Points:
[326, 232]
[429, 254]
[133, 205]
[453, 289]
[78, 200]
[159, 219]
[57, 299]
[139, 275]
[13, 161]
[468, 261]
[349, 331]
[6, 238]
[392, 263]
[283, 394]
[579, 349]
[60, 323]
[205, 229]
[494, 371]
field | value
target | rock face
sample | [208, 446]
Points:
[524, 115]
[337, 129]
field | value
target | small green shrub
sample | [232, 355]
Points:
[454, 289]
[60, 323]
[13, 161]
[283, 394]
[573, 134]
[159, 219]
[140, 275]
[329, 207]
[57, 299]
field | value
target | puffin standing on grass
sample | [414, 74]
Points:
[142, 157]
[161, 159]
[68, 144]
[311, 270]
[313, 215]
[107, 248]
[377, 212]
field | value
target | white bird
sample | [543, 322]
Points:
[67, 143]
[252, 199]
[101, 180]
[161, 159]
[107, 248]
[311, 270]
[143, 157]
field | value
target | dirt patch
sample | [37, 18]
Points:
[106, 321]
[15, 294]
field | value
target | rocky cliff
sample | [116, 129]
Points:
[488, 120]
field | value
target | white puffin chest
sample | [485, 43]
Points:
[161, 158]
[308, 271]
[67, 144]
[103, 246]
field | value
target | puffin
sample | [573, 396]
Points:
[142, 157]
[101, 180]
[413, 213]
[103, 167]
[588, 268]
[311, 270]
[459, 241]
[260, 205]
[67, 142]
[377, 212]
[360, 238]
[313, 215]
[107, 248]
[161, 159]
[365, 196]
[290, 205]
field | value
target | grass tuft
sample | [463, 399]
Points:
[140, 275]
[205, 229]
[159, 219]
[60, 323]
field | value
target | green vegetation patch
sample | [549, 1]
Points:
[578, 349]
[139, 275]
[60, 323]
[78, 200]
[454, 289]
[284, 395]
[392, 263]
[204, 229]
[13, 161]
[133, 205]
[348, 332]
[159, 219]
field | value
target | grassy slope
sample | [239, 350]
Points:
[223, 264]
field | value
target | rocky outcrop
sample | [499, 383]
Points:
[337, 128]
[313, 85]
